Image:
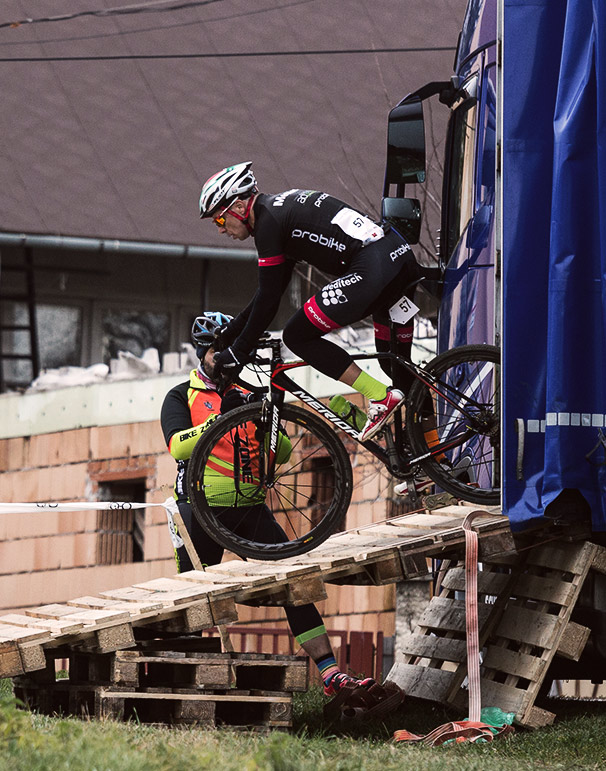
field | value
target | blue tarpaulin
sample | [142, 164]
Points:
[554, 255]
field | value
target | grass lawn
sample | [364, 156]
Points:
[30, 742]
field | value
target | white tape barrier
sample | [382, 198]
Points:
[169, 505]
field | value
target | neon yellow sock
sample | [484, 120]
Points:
[369, 387]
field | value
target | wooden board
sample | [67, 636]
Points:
[168, 669]
[524, 621]
[235, 709]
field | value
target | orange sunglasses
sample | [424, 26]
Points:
[219, 219]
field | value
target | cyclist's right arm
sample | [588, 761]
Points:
[182, 443]
[264, 306]
[274, 274]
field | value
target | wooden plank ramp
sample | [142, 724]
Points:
[524, 609]
[377, 554]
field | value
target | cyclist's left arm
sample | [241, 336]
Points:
[179, 432]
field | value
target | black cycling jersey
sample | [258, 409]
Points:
[311, 226]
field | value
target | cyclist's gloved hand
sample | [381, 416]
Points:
[225, 336]
[231, 361]
[234, 398]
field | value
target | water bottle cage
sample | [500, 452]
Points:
[351, 415]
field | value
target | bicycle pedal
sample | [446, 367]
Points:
[438, 500]
[404, 488]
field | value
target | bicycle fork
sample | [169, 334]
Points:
[274, 406]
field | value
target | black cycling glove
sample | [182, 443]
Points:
[231, 361]
[224, 336]
[235, 398]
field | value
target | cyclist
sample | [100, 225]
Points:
[187, 410]
[372, 264]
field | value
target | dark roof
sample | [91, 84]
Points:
[119, 148]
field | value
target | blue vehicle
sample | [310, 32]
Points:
[524, 254]
[466, 277]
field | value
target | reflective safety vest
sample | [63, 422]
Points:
[231, 475]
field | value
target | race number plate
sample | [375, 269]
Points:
[403, 311]
[357, 226]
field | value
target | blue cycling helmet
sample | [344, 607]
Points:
[205, 326]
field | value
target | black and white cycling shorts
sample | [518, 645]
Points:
[377, 277]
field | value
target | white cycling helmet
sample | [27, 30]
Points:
[226, 186]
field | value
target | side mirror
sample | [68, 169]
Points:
[405, 144]
[404, 215]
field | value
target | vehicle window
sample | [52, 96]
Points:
[459, 180]
[486, 168]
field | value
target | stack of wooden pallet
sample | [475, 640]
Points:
[525, 605]
[177, 681]
[100, 635]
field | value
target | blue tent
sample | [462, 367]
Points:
[554, 257]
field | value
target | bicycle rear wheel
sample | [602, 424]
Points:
[262, 517]
[457, 426]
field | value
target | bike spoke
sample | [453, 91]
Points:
[300, 498]
[461, 420]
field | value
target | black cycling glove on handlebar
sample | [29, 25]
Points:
[232, 360]
[224, 337]
[235, 398]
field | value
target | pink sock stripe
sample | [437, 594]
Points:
[317, 317]
[277, 259]
[328, 669]
[403, 334]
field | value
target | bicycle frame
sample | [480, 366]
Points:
[398, 461]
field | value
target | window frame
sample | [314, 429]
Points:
[467, 102]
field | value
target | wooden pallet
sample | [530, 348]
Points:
[244, 709]
[524, 621]
[378, 554]
[170, 686]
[161, 668]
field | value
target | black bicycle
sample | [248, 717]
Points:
[295, 462]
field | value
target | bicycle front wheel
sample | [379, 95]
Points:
[453, 420]
[268, 513]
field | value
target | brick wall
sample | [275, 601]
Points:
[52, 557]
